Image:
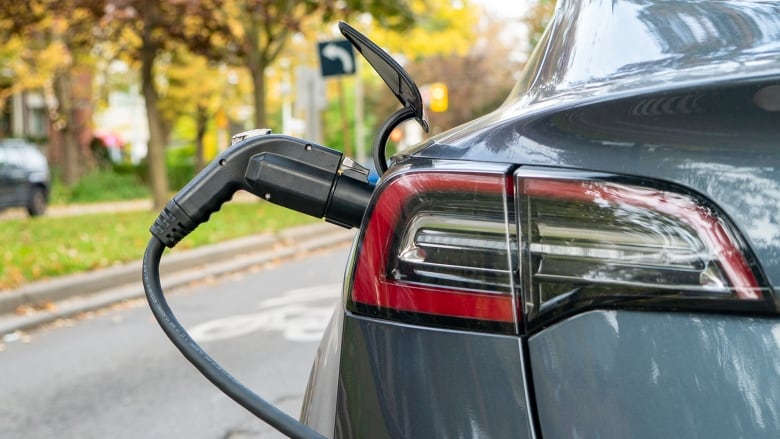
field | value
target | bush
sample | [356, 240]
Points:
[101, 185]
[121, 181]
[179, 174]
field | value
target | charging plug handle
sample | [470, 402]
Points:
[284, 170]
[302, 176]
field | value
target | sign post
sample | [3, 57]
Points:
[337, 59]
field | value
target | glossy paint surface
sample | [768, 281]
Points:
[319, 404]
[403, 382]
[677, 91]
[726, 149]
[605, 46]
[687, 92]
[617, 374]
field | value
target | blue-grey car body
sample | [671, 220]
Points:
[615, 374]
[686, 92]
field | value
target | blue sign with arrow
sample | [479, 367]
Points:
[336, 58]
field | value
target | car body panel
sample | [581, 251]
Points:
[617, 374]
[405, 381]
[724, 148]
[14, 184]
[677, 91]
[687, 92]
[22, 168]
[318, 410]
[598, 48]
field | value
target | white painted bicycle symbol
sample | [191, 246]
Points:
[300, 315]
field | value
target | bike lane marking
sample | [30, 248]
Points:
[301, 315]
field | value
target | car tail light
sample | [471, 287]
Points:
[593, 240]
[439, 248]
[489, 251]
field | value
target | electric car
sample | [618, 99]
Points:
[596, 258]
[24, 176]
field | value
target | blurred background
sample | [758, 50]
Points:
[107, 107]
[128, 99]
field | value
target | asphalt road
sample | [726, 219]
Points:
[114, 374]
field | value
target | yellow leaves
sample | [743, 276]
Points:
[58, 25]
[195, 85]
[30, 67]
[236, 28]
[54, 56]
[32, 57]
[38, 8]
[419, 8]
[11, 48]
[80, 14]
[192, 22]
[441, 29]
[128, 37]
[218, 40]
[23, 310]
[11, 277]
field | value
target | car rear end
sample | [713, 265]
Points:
[597, 258]
[24, 176]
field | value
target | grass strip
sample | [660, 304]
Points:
[37, 248]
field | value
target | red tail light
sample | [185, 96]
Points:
[438, 245]
[465, 249]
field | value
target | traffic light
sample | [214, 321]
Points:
[439, 97]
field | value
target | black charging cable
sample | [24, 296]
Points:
[284, 170]
[202, 361]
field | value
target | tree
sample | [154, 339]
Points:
[201, 91]
[440, 29]
[192, 90]
[262, 28]
[440, 48]
[477, 81]
[25, 65]
[144, 29]
[52, 39]
[252, 31]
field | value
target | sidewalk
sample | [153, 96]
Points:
[79, 209]
[43, 302]
[104, 207]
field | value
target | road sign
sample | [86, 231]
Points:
[439, 98]
[336, 58]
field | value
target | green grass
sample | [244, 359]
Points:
[44, 247]
[99, 185]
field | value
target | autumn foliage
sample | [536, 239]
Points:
[203, 59]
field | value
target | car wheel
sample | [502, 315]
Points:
[36, 206]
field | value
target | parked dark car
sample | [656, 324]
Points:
[597, 258]
[24, 176]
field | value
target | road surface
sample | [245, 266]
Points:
[114, 374]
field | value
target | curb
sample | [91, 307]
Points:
[84, 292]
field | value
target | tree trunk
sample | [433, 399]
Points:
[201, 121]
[258, 88]
[66, 127]
[158, 177]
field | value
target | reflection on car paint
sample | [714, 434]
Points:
[650, 375]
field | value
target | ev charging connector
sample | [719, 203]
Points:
[283, 170]
[290, 172]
